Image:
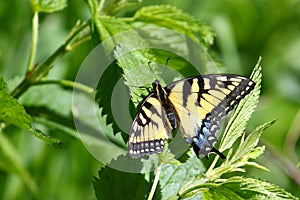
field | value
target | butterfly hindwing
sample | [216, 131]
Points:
[149, 129]
[202, 101]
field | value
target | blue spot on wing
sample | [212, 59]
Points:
[206, 132]
[204, 139]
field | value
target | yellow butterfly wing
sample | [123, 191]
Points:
[200, 103]
[149, 129]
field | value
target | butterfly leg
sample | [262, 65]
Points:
[214, 150]
[218, 152]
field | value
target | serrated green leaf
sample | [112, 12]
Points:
[256, 187]
[11, 162]
[239, 159]
[239, 188]
[129, 185]
[109, 26]
[136, 70]
[170, 17]
[104, 94]
[48, 6]
[130, 50]
[39, 103]
[221, 193]
[185, 56]
[11, 111]
[119, 7]
[167, 157]
[243, 112]
[256, 152]
[250, 142]
[172, 177]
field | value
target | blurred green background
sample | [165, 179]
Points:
[245, 30]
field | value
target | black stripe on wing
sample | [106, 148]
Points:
[239, 87]
[149, 128]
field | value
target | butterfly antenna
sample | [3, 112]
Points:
[167, 61]
[152, 70]
[218, 152]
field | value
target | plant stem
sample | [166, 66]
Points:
[68, 83]
[292, 137]
[34, 39]
[213, 164]
[155, 182]
[38, 72]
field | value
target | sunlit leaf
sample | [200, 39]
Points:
[48, 6]
[119, 7]
[11, 111]
[243, 112]
[174, 176]
[173, 18]
[250, 142]
[243, 153]
[245, 188]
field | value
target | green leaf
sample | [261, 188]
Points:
[46, 138]
[40, 105]
[104, 94]
[119, 7]
[167, 157]
[11, 111]
[236, 187]
[10, 161]
[115, 184]
[107, 27]
[52, 120]
[244, 188]
[250, 142]
[93, 130]
[244, 152]
[136, 70]
[119, 38]
[48, 6]
[243, 112]
[170, 17]
[172, 176]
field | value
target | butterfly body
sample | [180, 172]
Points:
[193, 105]
[162, 95]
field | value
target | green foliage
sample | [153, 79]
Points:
[10, 161]
[48, 6]
[41, 102]
[244, 188]
[11, 112]
[236, 160]
[173, 177]
[170, 17]
[237, 124]
[109, 177]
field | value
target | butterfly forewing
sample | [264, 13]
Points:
[149, 129]
[202, 101]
